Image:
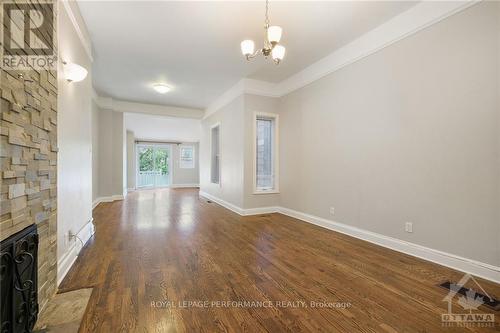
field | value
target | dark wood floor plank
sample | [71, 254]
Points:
[171, 245]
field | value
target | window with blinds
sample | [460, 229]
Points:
[215, 154]
[186, 155]
[265, 153]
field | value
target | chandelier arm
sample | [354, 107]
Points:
[250, 56]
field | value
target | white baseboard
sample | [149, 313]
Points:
[239, 210]
[223, 203]
[184, 185]
[107, 199]
[260, 210]
[462, 264]
[132, 189]
[474, 267]
[67, 260]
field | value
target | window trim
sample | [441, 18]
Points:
[180, 156]
[276, 158]
[217, 124]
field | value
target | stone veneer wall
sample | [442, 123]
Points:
[28, 158]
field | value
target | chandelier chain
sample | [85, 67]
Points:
[271, 47]
[267, 14]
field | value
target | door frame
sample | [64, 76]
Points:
[169, 161]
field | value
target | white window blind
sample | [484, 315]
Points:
[265, 153]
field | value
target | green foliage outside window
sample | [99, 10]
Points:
[161, 161]
[153, 160]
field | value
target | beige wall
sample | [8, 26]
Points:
[230, 118]
[131, 160]
[95, 150]
[74, 190]
[498, 120]
[184, 177]
[410, 133]
[111, 153]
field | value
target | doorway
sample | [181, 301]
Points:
[154, 167]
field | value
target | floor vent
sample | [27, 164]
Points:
[491, 303]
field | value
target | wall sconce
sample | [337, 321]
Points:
[74, 72]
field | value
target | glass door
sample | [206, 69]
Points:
[161, 167]
[153, 165]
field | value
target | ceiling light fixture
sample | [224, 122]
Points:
[271, 40]
[161, 88]
[74, 72]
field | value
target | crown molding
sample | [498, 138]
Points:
[415, 19]
[227, 97]
[108, 103]
[95, 96]
[262, 88]
[244, 86]
[79, 26]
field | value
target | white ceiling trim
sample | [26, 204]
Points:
[79, 28]
[107, 103]
[399, 27]
[224, 99]
[244, 86]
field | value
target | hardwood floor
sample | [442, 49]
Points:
[170, 245]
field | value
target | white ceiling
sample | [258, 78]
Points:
[194, 46]
[148, 127]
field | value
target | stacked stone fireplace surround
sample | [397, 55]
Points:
[28, 157]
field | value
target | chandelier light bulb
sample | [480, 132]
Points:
[274, 34]
[278, 53]
[247, 47]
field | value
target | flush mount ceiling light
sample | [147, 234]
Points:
[271, 46]
[74, 72]
[161, 88]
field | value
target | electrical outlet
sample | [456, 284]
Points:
[409, 227]
[332, 210]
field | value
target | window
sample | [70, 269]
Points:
[186, 154]
[215, 154]
[266, 153]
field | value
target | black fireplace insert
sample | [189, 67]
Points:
[19, 281]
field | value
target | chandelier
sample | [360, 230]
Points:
[271, 40]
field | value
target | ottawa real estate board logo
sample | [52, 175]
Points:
[469, 301]
[28, 36]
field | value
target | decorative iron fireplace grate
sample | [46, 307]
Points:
[19, 281]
